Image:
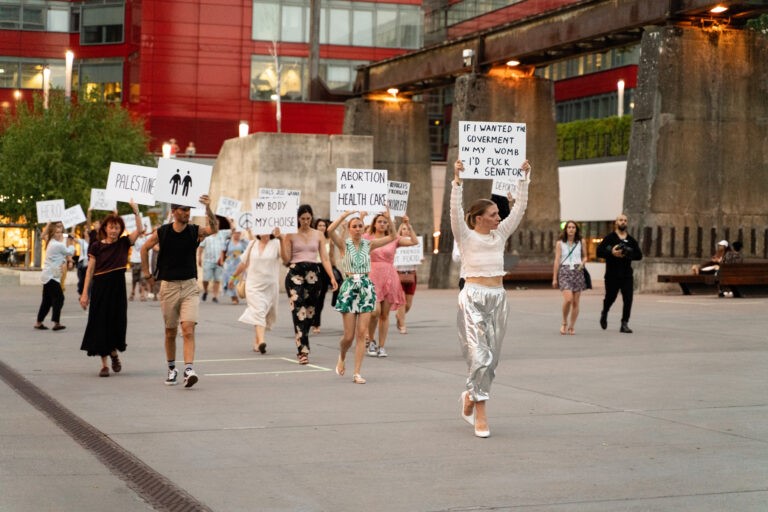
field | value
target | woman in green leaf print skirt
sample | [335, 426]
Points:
[357, 298]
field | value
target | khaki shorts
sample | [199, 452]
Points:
[179, 302]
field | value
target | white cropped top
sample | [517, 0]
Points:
[570, 256]
[483, 255]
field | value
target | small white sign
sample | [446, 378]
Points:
[492, 150]
[411, 255]
[361, 189]
[50, 211]
[126, 182]
[397, 198]
[275, 212]
[73, 216]
[280, 192]
[182, 182]
[502, 188]
[147, 223]
[99, 200]
[130, 222]
[228, 208]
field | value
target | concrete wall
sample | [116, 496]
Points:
[286, 160]
[508, 98]
[698, 162]
[401, 146]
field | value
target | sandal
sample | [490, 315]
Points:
[340, 367]
[358, 379]
[104, 372]
[116, 366]
[571, 331]
[303, 358]
[563, 327]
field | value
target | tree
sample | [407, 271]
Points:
[62, 152]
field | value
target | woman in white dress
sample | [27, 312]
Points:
[261, 262]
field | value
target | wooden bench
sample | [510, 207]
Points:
[529, 273]
[741, 278]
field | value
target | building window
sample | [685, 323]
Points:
[102, 82]
[293, 78]
[341, 22]
[27, 74]
[102, 24]
[34, 15]
[10, 16]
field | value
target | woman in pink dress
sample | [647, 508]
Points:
[386, 282]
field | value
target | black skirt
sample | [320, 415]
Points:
[107, 315]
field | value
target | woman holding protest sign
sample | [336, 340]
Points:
[357, 295]
[57, 256]
[108, 314]
[408, 281]
[389, 292]
[482, 312]
[301, 251]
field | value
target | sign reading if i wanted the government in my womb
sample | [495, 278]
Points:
[492, 150]
[361, 189]
[182, 182]
[127, 181]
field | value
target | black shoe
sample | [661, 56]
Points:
[205, 296]
[604, 320]
[625, 328]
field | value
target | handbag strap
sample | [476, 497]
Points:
[570, 252]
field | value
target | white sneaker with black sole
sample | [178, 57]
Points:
[373, 349]
[382, 352]
[173, 373]
[190, 378]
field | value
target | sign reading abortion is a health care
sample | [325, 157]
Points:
[492, 150]
[99, 200]
[50, 211]
[126, 182]
[361, 189]
[274, 212]
[397, 199]
[182, 182]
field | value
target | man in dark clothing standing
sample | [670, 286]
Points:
[618, 249]
[177, 273]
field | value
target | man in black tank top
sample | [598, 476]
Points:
[177, 273]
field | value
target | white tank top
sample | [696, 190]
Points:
[570, 255]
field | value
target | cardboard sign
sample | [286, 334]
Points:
[228, 208]
[411, 255]
[280, 192]
[73, 216]
[130, 222]
[182, 182]
[361, 189]
[50, 211]
[245, 221]
[502, 188]
[397, 198]
[126, 182]
[99, 200]
[492, 150]
[275, 212]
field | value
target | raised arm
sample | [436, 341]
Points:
[213, 225]
[379, 242]
[412, 239]
[335, 238]
[510, 224]
[139, 226]
[458, 226]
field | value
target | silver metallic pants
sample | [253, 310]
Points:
[482, 323]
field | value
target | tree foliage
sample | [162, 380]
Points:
[62, 152]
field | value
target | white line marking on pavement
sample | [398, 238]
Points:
[318, 369]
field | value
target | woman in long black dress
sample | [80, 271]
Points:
[108, 315]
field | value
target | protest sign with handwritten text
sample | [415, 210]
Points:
[410, 255]
[492, 150]
[50, 211]
[127, 181]
[99, 200]
[397, 198]
[361, 189]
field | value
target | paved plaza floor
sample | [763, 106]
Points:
[671, 418]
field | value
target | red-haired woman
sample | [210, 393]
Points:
[108, 314]
[482, 315]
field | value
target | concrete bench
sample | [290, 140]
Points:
[691, 282]
[529, 273]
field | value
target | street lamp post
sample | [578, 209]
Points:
[70, 59]
[46, 85]
[620, 91]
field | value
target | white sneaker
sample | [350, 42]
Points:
[173, 373]
[190, 378]
[382, 352]
[372, 350]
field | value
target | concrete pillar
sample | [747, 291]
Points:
[507, 97]
[697, 167]
[401, 146]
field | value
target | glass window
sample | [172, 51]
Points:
[9, 74]
[410, 27]
[33, 18]
[362, 26]
[339, 23]
[102, 81]
[292, 78]
[57, 20]
[266, 17]
[31, 76]
[292, 24]
[386, 27]
[102, 24]
[10, 16]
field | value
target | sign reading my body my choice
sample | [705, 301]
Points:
[274, 212]
[361, 189]
[492, 150]
[126, 182]
[182, 182]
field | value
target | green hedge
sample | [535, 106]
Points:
[593, 138]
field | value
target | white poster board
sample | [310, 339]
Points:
[411, 255]
[397, 198]
[126, 182]
[492, 150]
[228, 208]
[280, 192]
[502, 188]
[245, 221]
[182, 182]
[50, 211]
[275, 212]
[147, 223]
[361, 189]
[130, 222]
[99, 200]
[73, 216]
